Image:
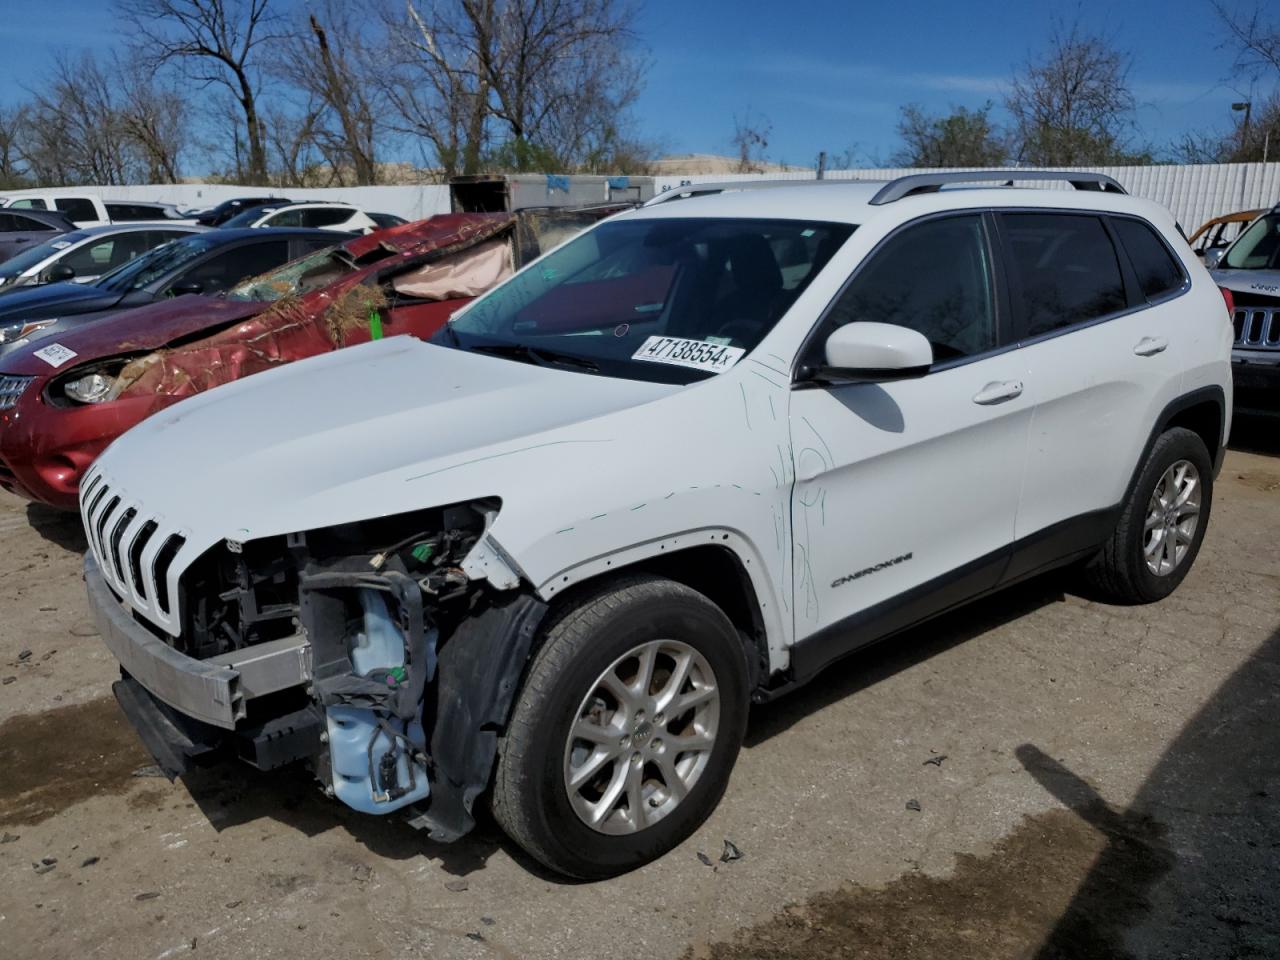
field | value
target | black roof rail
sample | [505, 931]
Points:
[932, 182]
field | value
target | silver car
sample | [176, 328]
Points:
[84, 255]
[1248, 271]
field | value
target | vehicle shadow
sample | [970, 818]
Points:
[62, 528]
[884, 659]
[1190, 868]
[232, 794]
[1251, 434]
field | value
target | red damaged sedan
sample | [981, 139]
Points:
[62, 403]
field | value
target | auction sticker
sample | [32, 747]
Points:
[55, 355]
[696, 354]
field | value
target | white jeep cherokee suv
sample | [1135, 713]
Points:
[676, 466]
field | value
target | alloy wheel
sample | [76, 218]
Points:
[1173, 513]
[642, 737]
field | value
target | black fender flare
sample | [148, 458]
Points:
[479, 668]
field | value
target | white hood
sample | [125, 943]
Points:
[351, 435]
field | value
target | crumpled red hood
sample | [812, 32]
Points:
[135, 331]
[421, 236]
[297, 327]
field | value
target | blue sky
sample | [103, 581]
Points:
[827, 75]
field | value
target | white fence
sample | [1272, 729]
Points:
[1195, 193]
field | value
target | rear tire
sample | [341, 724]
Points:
[625, 731]
[1161, 525]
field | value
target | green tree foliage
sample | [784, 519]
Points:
[961, 138]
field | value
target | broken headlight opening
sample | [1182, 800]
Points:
[88, 385]
[90, 388]
[399, 640]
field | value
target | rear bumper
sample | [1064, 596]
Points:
[215, 691]
[1256, 378]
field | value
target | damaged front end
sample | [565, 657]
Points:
[383, 654]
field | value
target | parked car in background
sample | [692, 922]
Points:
[680, 465]
[220, 214]
[1248, 272]
[387, 219]
[85, 255]
[56, 417]
[322, 215]
[208, 262]
[138, 211]
[22, 229]
[1218, 233]
[82, 209]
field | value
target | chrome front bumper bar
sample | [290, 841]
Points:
[215, 691]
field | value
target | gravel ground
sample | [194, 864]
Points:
[1037, 775]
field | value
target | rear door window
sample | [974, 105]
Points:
[1063, 271]
[226, 269]
[76, 208]
[129, 212]
[95, 259]
[1157, 271]
[32, 224]
[324, 216]
[285, 218]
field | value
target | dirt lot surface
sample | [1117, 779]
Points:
[1038, 775]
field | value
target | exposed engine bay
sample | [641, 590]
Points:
[413, 663]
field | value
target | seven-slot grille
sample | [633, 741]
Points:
[11, 389]
[1257, 328]
[133, 553]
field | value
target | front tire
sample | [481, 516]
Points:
[1161, 525]
[626, 729]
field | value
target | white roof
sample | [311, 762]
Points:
[844, 201]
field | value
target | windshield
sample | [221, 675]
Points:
[1258, 248]
[668, 300]
[247, 218]
[154, 264]
[303, 275]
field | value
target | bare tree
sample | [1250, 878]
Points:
[215, 43]
[13, 172]
[294, 157]
[75, 133]
[750, 141]
[962, 138]
[523, 84]
[1073, 105]
[154, 117]
[1254, 37]
[327, 59]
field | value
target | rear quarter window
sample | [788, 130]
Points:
[1064, 270]
[76, 208]
[1158, 273]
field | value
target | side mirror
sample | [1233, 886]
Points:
[866, 352]
[60, 273]
[1213, 257]
[186, 286]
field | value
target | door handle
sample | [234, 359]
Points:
[998, 391]
[1150, 346]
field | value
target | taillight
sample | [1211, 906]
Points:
[1231, 301]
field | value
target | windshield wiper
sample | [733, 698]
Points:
[537, 355]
